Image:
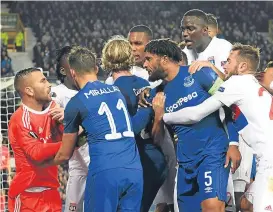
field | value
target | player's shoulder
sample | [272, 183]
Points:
[62, 90]
[221, 42]
[17, 116]
[139, 72]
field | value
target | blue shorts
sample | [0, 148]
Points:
[118, 189]
[210, 181]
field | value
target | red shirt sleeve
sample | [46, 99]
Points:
[35, 149]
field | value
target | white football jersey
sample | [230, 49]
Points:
[216, 52]
[257, 106]
[78, 163]
[135, 70]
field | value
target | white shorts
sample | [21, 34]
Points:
[165, 193]
[260, 193]
[75, 193]
[244, 171]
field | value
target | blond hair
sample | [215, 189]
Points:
[249, 53]
[117, 55]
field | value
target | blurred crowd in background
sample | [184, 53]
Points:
[91, 24]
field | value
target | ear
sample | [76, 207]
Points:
[62, 71]
[96, 70]
[243, 66]
[29, 91]
[73, 73]
[206, 29]
[164, 60]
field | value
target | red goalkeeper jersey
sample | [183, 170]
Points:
[34, 138]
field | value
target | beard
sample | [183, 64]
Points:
[158, 74]
[231, 73]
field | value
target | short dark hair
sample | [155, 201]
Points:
[164, 47]
[21, 75]
[142, 28]
[269, 64]
[59, 54]
[82, 60]
[212, 20]
[197, 13]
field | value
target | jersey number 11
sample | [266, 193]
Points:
[114, 134]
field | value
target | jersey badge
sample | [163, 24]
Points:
[33, 135]
[221, 89]
[72, 206]
[188, 81]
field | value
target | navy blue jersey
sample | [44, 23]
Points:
[131, 87]
[101, 110]
[205, 137]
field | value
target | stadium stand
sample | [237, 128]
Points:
[56, 24]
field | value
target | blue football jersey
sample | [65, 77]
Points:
[131, 87]
[205, 137]
[101, 110]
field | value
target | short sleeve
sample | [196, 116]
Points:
[229, 92]
[72, 117]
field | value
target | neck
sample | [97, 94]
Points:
[83, 80]
[204, 45]
[121, 73]
[172, 71]
[34, 105]
[247, 72]
[68, 84]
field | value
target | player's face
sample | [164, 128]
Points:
[138, 40]
[153, 65]
[193, 30]
[231, 66]
[40, 88]
[65, 70]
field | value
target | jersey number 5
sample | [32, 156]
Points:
[261, 91]
[114, 134]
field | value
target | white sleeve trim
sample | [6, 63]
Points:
[234, 143]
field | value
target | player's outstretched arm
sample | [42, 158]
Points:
[141, 119]
[72, 121]
[191, 115]
[66, 150]
[198, 65]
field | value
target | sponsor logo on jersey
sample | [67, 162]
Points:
[72, 206]
[211, 60]
[180, 101]
[221, 89]
[138, 91]
[188, 81]
[208, 189]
